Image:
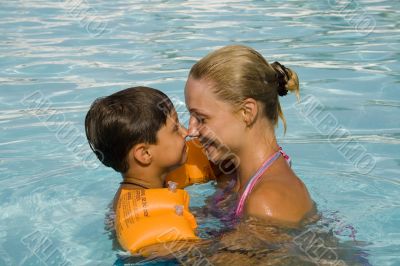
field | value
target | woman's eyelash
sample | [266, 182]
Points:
[200, 118]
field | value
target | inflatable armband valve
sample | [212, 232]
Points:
[179, 210]
[172, 186]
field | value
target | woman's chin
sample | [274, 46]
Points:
[213, 154]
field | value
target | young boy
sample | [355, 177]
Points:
[136, 132]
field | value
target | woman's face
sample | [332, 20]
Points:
[219, 128]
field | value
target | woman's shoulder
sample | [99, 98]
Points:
[282, 198]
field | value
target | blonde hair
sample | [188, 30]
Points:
[240, 72]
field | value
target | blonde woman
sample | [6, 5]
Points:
[233, 98]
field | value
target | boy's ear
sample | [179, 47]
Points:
[249, 111]
[141, 153]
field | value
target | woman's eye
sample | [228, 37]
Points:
[200, 119]
[197, 119]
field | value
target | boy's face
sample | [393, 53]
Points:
[170, 150]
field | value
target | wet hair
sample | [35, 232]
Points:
[239, 72]
[114, 124]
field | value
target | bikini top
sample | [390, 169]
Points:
[256, 177]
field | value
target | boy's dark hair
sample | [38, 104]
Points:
[114, 124]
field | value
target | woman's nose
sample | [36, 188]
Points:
[193, 127]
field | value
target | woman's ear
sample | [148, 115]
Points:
[249, 111]
[141, 154]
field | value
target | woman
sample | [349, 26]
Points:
[232, 96]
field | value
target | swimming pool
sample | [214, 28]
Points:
[57, 57]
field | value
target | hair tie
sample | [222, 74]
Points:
[281, 75]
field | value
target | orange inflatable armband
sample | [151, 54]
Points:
[197, 168]
[152, 216]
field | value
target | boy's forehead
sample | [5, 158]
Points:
[173, 114]
[172, 118]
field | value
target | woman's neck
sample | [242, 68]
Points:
[260, 144]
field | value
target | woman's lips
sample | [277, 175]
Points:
[210, 147]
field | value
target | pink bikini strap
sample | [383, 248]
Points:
[287, 157]
[254, 179]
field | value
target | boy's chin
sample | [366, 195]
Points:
[185, 155]
[176, 166]
[181, 162]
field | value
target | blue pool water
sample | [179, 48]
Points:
[56, 57]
